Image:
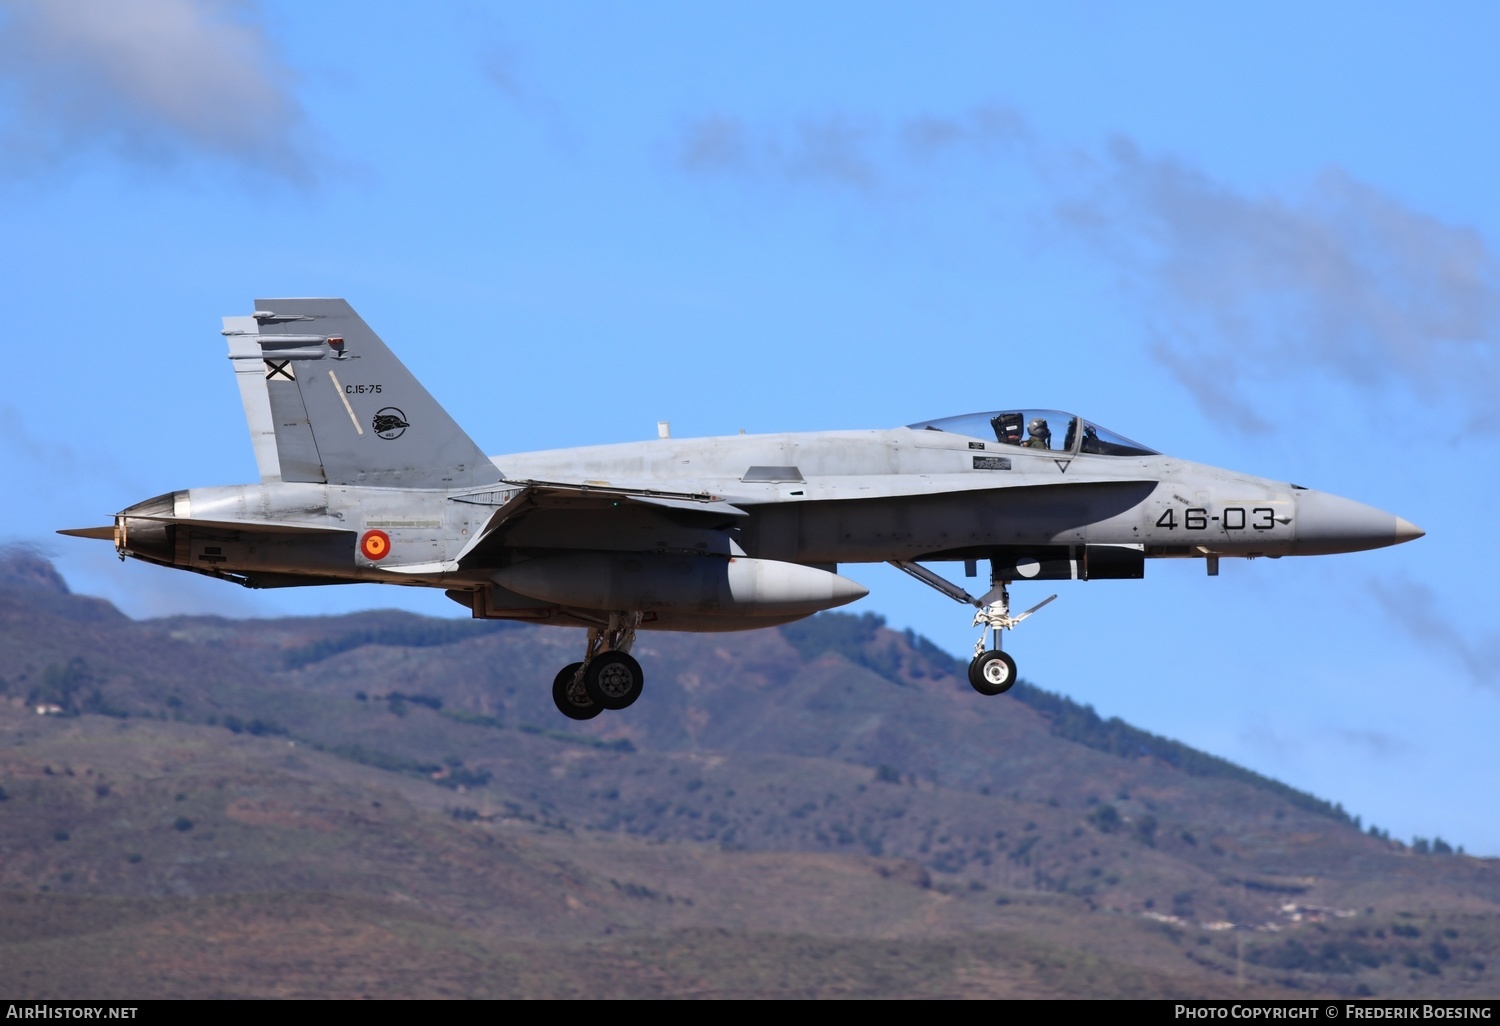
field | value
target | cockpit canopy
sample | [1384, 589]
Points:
[1050, 430]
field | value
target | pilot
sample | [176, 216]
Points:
[1041, 435]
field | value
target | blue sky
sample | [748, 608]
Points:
[1262, 238]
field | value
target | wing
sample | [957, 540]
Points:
[551, 514]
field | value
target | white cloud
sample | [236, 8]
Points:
[152, 80]
[833, 149]
[842, 149]
[1339, 279]
[1374, 744]
[1343, 278]
[1413, 608]
[509, 72]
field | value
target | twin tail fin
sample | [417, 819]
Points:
[327, 401]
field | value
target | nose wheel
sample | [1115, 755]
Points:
[609, 676]
[991, 672]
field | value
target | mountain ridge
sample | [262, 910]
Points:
[349, 755]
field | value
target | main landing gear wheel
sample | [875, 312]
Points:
[608, 678]
[571, 696]
[613, 679]
[992, 672]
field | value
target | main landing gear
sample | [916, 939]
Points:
[992, 671]
[608, 678]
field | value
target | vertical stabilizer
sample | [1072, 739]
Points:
[341, 407]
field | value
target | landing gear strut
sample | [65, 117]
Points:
[608, 678]
[992, 671]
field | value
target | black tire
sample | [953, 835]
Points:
[992, 672]
[565, 696]
[613, 679]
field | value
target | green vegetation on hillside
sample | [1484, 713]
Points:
[853, 636]
[842, 633]
[73, 689]
[1067, 719]
[417, 633]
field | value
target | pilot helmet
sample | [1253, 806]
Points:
[1037, 427]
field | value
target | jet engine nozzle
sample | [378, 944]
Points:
[146, 531]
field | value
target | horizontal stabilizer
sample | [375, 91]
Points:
[256, 526]
[101, 533]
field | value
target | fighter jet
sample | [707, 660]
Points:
[364, 477]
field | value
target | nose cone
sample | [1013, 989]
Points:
[1407, 531]
[1330, 523]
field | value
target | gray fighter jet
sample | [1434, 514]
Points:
[364, 477]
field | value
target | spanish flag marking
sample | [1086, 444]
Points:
[375, 545]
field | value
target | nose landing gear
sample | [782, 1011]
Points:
[609, 676]
[992, 671]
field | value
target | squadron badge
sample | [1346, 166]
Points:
[389, 423]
